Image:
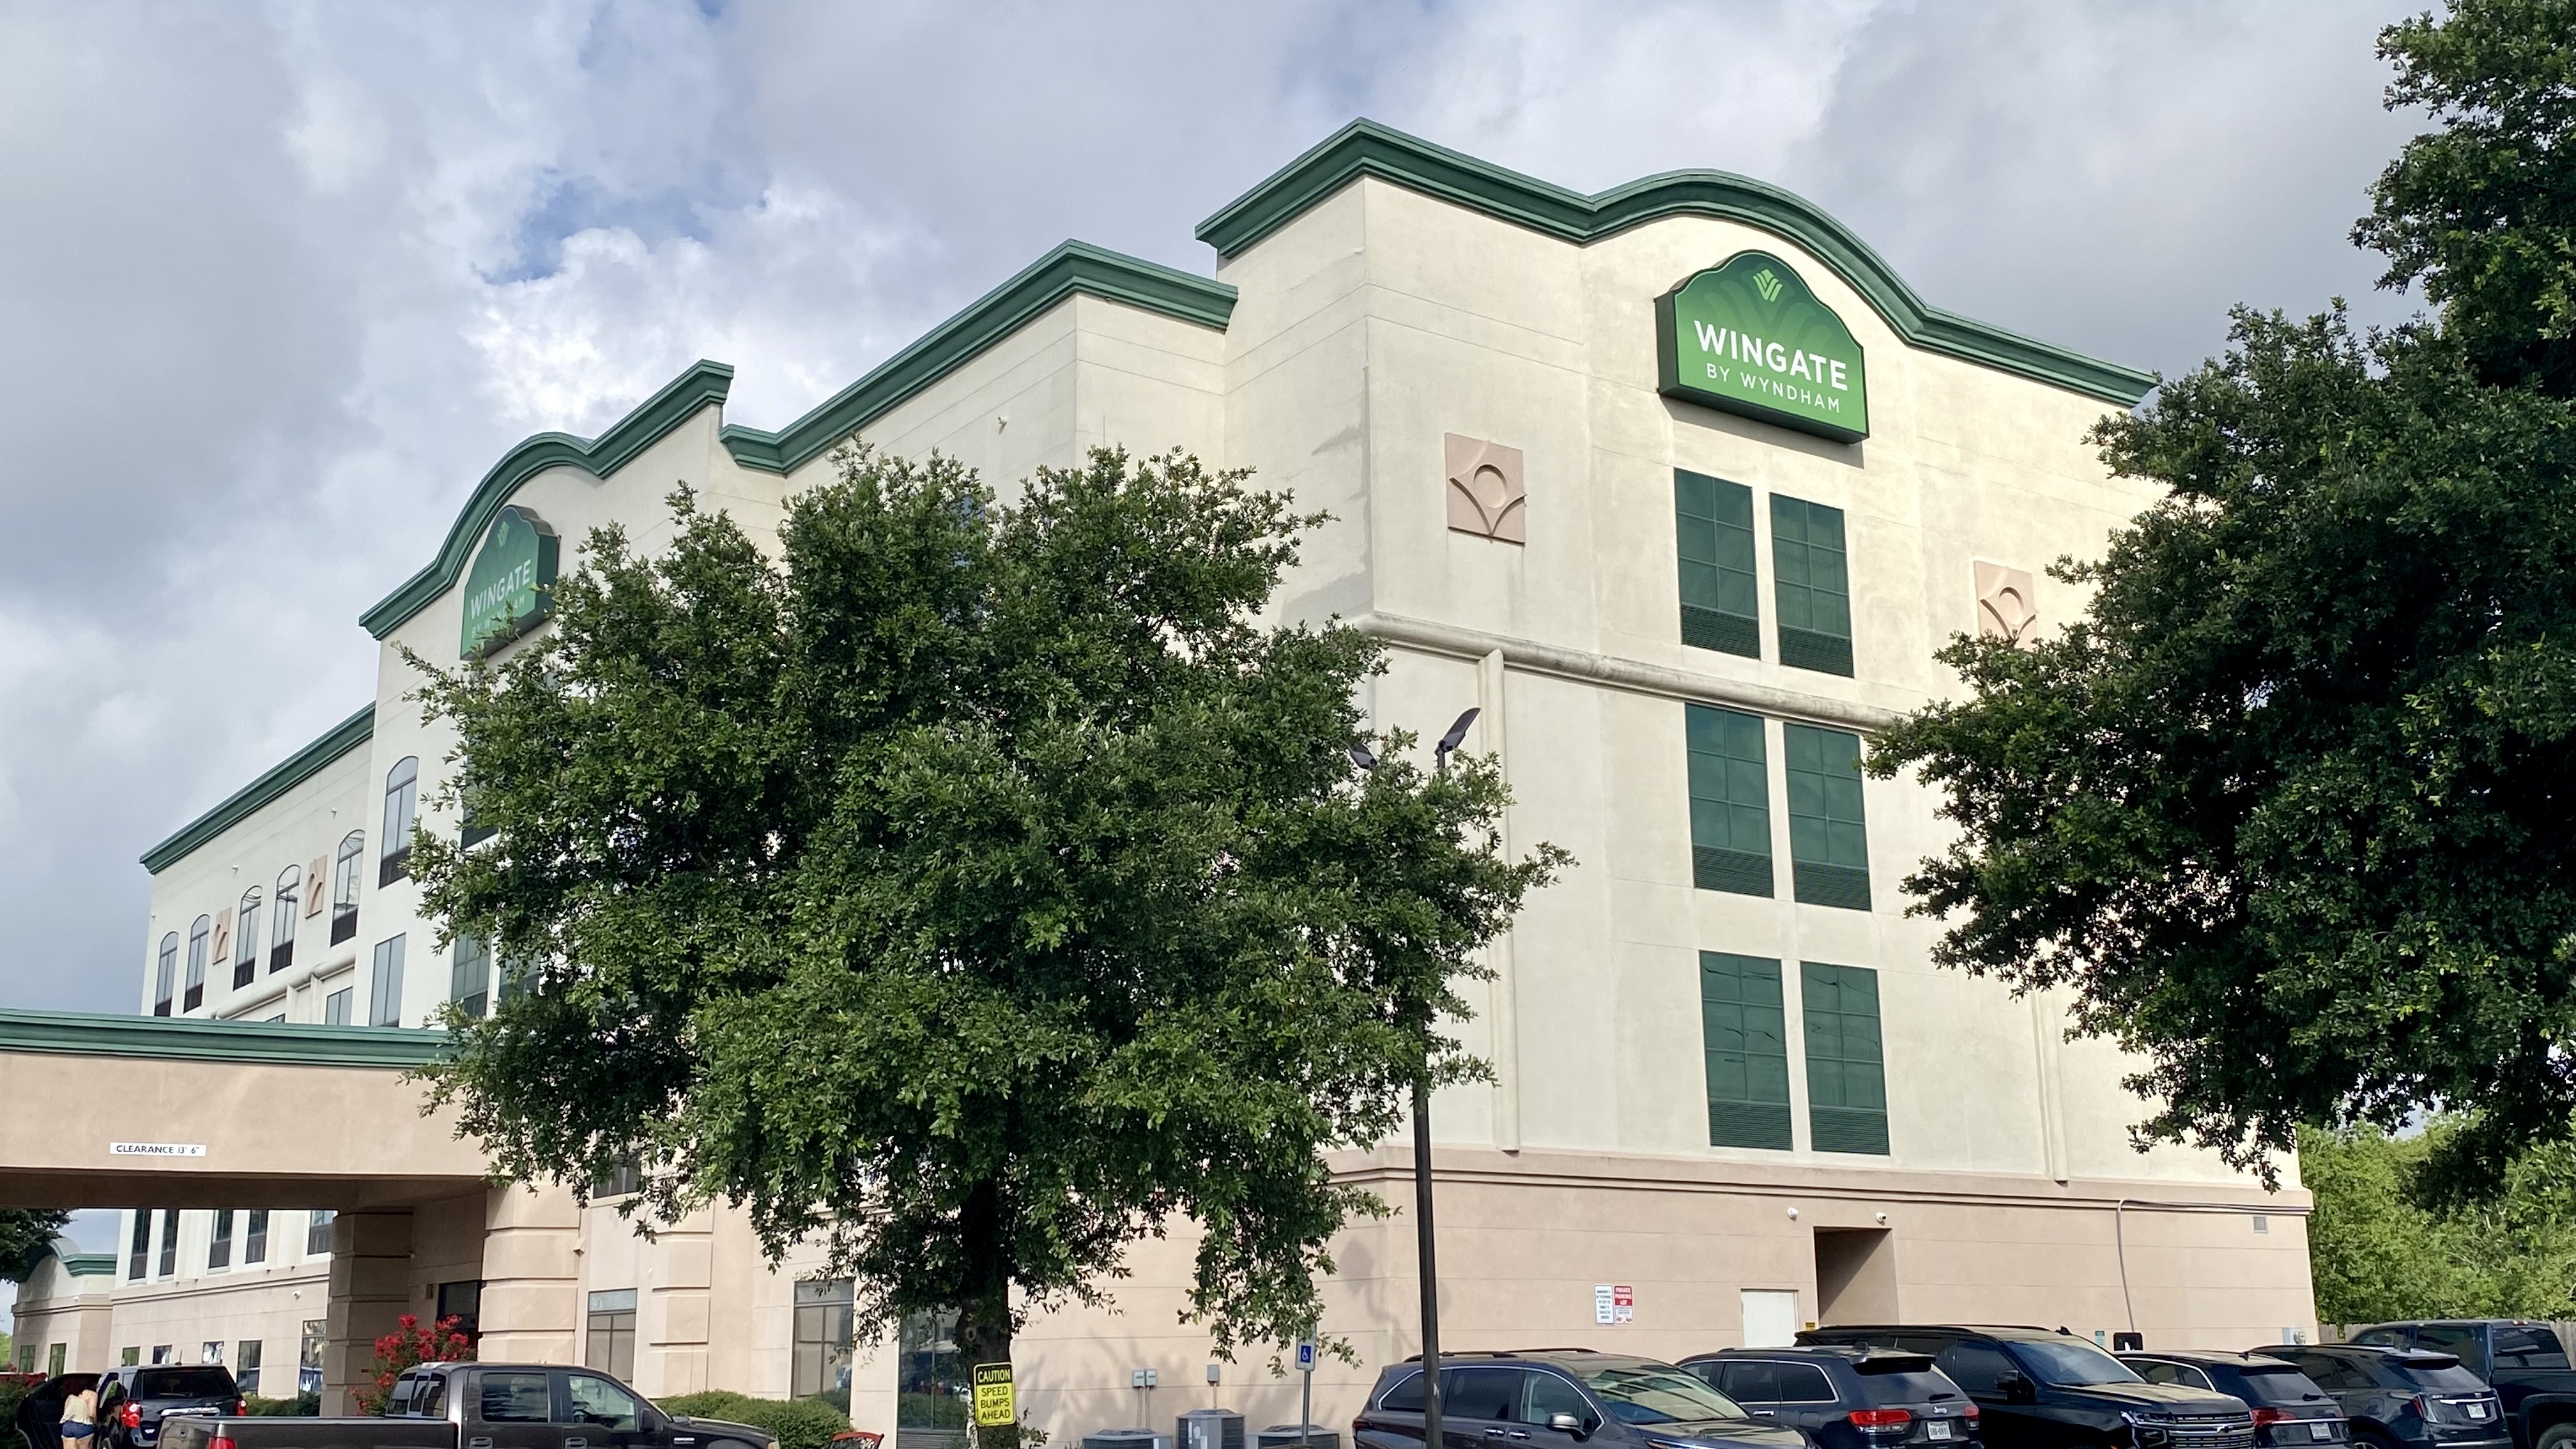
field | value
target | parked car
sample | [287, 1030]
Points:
[1844, 1398]
[2290, 1411]
[484, 1406]
[137, 1401]
[2403, 1398]
[1550, 1398]
[40, 1413]
[2038, 1389]
[2522, 1361]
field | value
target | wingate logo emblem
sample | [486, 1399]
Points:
[1750, 338]
[509, 588]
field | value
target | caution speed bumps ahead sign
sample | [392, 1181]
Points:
[994, 1404]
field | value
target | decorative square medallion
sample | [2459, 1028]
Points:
[1487, 496]
[2006, 605]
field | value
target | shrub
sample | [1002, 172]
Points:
[302, 1404]
[797, 1423]
[408, 1347]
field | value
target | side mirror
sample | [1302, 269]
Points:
[2015, 1387]
[1568, 1424]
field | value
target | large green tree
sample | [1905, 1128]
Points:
[2292, 805]
[24, 1234]
[2380, 1250]
[974, 883]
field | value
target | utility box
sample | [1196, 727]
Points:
[1284, 1436]
[1126, 1439]
[1210, 1429]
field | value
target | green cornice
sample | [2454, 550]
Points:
[88, 1265]
[704, 384]
[297, 768]
[1365, 148]
[86, 1034]
[1070, 268]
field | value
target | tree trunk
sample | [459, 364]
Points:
[984, 1317]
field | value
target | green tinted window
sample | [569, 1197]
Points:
[1812, 578]
[1730, 802]
[1828, 842]
[1846, 1068]
[1714, 520]
[1745, 1032]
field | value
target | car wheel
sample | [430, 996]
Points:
[2556, 1436]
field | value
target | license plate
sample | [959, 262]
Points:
[1937, 1429]
[2477, 1411]
[2321, 1431]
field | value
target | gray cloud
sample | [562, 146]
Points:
[284, 281]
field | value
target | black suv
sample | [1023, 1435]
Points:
[1844, 1398]
[2401, 1396]
[1553, 1398]
[2522, 1361]
[132, 1399]
[2044, 1390]
[2290, 1411]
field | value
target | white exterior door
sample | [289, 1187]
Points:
[1770, 1317]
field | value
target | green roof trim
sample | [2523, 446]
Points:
[179, 1038]
[1072, 267]
[88, 1265]
[1365, 148]
[297, 768]
[704, 384]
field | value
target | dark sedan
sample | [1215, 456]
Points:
[2401, 1398]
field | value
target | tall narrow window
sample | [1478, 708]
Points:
[609, 1342]
[199, 935]
[471, 832]
[165, 974]
[308, 1352]
[469, 975]
[169, 1243]
[219, 1244]
[1828, 841]
[246, 1356]
[820, 1365]
[335, 1007]
[138, 1259]
[1714, 523]
[384, 989]
[1846, 1070]
[281, 936]
[1812, 576]
[317, 1233]
[255, 1238]
[402, 808]
[344, 887]
[246, 942]
[1746, 1035]
[1730, 801]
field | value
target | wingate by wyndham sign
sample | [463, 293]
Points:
[510, 585]
[1750, 338]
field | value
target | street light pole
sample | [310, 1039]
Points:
[1424, 1240]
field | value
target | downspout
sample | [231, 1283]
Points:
[2120, 1246]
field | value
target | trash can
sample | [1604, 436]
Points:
[1126, 1439]
[1284, 1436]
[1210, 1429]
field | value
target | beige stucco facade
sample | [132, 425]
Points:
[1380, 310]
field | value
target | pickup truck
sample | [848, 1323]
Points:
[481, 1406]
[2523, 1361]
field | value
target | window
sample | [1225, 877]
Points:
[821, 1366]
[54, 1356]
[515, 1398]
[246, 1365]
[219, 1246]
[281, 936]
[1811, 579]
[598, 1402]
[1828, 841]
[469, 975]
[1714, 524]
[610, 1342]
[2464, 1341]
[344, 887]
[129, 1356]
[27, 1358]
[169, 1267]
[198, 936]
[317, 1233]
[624, 1180]
[1804, 1383]
[246, 941]
[138, 1259]
[165, 975]
[384, 989]
[463, 1301]
[402, 809]
[516, 977]
[211, 1351]
[308, 1351]
[1492, 1394]
[160, 1354]
[469, 831]
[1405, 1397]
[1749, 1381]
[255, 1238]
[429, 1401]
[335, 1007]
[1745, 1031]
[1549, 1396]
[1730, 801]
[1846, 1075]
[2528, 1346]
[932, 1383]
[1975, 1366]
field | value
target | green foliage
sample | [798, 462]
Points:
[972, 884]
[306, 1405]
[14, 1389]
[2378, 1251]
[2290, 805]
[797, 1423]
[24, 1236]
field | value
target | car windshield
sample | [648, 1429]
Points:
[2282, 1384]
[2528, 1345]
[2440, 1373]
[1653, 1394]
[1902, 1386]
[2068, 1363]
[183, 1383]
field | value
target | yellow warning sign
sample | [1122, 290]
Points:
[994, 1405]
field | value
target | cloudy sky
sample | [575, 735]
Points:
[281, 281]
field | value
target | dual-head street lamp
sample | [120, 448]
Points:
[1363, 757]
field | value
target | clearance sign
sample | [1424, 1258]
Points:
[1750, 338]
